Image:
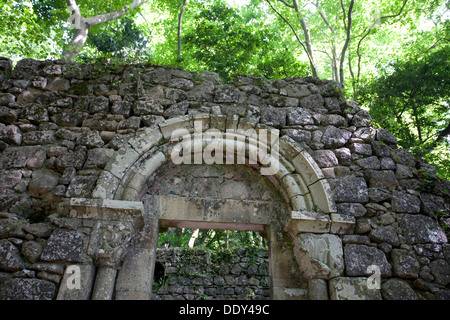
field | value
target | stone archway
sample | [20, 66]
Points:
[229, 198]
[124, 176]
[298, 178]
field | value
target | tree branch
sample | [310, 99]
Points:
[102, 18]
[311, 61]
[344, 15]
[332, 40]
[83, 25]
[72, 4]
[367, 33]
[347, 42]
[180, 21]
[287, 4]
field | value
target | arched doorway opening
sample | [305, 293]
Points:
[223, 197]
[303, 191]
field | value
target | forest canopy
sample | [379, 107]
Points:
[391, 56]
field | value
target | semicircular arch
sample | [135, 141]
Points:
[280, 159]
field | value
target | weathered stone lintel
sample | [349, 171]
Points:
[105, 209]
[214, 210]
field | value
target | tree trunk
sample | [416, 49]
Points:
[78, 40]
[347, 42]
[180, 22]
[82, 25]
[309, 48]
[193, 238]
[305, 47]
[417, 122]
[227, 241]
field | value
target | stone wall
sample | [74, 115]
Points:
[184, 274]
[61, 124]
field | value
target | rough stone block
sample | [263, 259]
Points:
[432, 204]
[275, 117]
[421, 229]
[385, 234]
[298, 134]
[405, 264]
[10, 258]
[386, 137]
[98, 158]
[312, 101]
[351, 189]
[335, 138]
[9, 178]
[358, 259]
[39, 138]
[344, 288]
[403, 202]
[440, 269]
[326, 158]
[32, 250]
[7, 198]
[371, 163]
[64, 245]
[26, 289]
[226, 94]
[299, 116]
[34, 113]
[90, 139]
[42, 182]
[148, 106]
[7, 115]
[39, 230]
[351, 209]
[396, 289]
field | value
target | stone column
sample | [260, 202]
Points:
[286, 283]
[135, 278]
[318, 289]
[104, 284]
[108, 261]
[113, 225]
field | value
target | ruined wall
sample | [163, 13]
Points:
[239, 274]
[61, 123]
